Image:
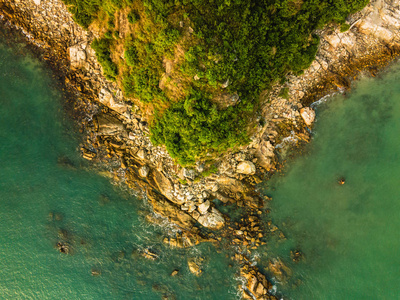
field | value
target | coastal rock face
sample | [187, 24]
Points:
[308, 115]
[246, 167]
[120, 133]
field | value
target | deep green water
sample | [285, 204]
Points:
[43, 201]
[349, 234]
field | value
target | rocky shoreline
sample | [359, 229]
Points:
[116, 132]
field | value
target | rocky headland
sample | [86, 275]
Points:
[116, 129]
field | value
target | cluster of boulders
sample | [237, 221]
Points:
[256, 285]
[185, 239]
[248, 233]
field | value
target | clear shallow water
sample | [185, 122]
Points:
[349, 234]
[43, 201]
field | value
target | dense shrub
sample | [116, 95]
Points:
[84, 12]
[195, 128]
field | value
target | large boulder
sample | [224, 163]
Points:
[308, 115]
[108, 125]
[108, 99]
[212, 219]
[144, 171]
[203, 208]
[246, 167]
[165, 186]
[77, 55]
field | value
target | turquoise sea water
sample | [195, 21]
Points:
[48, 195]
[349, 234]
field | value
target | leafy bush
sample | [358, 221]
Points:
[344, 27]
[194, 128]
[84, 12]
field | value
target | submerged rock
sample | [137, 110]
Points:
[194, 265]
[63, 247]
[95, 272]
[65, 162]
[296, 256]
[149, 254]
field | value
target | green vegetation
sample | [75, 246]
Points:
[284, 93]
[194, 128]
[181, 56]
[103, 54]
[133, 17]
[344, 27]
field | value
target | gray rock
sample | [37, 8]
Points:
[189, 173]
[203, 208]
[308, 115]
[234, 99]
[144, 171]
[213, 219]
[246, 167]
[141, 154]
[225, 84]
[200, 167]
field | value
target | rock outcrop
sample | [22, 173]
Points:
[120, 132]
[308, 115]
[117, 132]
